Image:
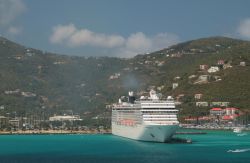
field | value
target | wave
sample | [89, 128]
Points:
[242, 134]
[239, 150]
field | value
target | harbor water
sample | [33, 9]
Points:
[215, 146]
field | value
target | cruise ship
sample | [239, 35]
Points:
[150, 118]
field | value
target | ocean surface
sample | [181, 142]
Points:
[215, 146]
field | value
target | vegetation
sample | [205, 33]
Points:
[57, 83]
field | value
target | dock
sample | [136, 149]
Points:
[190, 133]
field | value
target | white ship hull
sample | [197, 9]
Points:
[154, 133]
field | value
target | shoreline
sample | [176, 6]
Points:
[214, 128]
[108, 131]
[52, 132]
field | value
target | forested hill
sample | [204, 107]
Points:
[32, 80]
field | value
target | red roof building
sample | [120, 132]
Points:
[229, 117]
[231, 111]
[221, 62]
[216, 111]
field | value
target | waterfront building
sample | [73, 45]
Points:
[216, 111]
[65, 118]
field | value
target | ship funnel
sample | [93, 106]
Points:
[131, 93]
[131, 97]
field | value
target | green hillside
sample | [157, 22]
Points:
[32, 81]
[232, 87]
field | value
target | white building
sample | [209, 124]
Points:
[202, 79]
[175, 85]
[28, 94]
[198, 96]
[220, 103]
[201, 104]
[242, 63]
[115, 76]
[213, 69]
[65, 118]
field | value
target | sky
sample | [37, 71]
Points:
[119, 28]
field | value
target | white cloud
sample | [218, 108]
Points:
[10, 10]
[139, 43]
[136, 43]
[73, 37]
[162, 40]
[244, 28]
[62, 33]
[14, 30]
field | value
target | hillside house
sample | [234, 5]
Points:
[201, 104]
[148, 62]
[18, 57]
[228, 65]
[217, 78]
[202, 79]
[203, 67]
[160, 63]
[220, 62]
[12, 92]
[196, 50]
[243, 64]
[126, 69]
[160, 88]
[213, 69]
[115, 76]
[176, 55]
[192, 76]
[59, 62]
[177, 78]
[28, 94]
[175, 85]
[221, 104]
[198, 96]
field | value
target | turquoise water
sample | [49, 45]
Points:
[216, 146]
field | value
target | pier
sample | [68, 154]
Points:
[190, 133]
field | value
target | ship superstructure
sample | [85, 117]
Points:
[150, 118]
